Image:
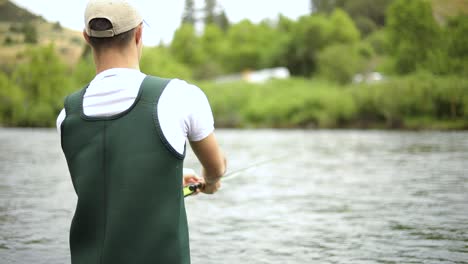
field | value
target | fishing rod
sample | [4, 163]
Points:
[193, 188]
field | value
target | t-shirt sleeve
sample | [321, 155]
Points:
[60, 119]
[200, 121]
[184, 113]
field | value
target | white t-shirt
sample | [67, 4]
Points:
[183, 109]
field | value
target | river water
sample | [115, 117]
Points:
[338, 197]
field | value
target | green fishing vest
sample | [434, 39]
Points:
[128, 180]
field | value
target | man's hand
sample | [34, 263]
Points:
[190, 177]
[211, 188]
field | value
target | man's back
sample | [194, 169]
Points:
[128, 181]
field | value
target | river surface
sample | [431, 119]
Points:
[338, 197]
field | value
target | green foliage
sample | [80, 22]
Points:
[185, 46]
[222, 21]
[326, 6]
[327, 44]
[44, 82]
[344, 30]
[418, 101]
[379, 42]
[457, 30]
[374, 10]
[365, 25]
[341, 62]
[11, 98]
[280, 103]
[84, 71]
[210, 15]
[212, 42]
[311, 34]
[457, 45]
[413, 33]
[214, 47]
[298, 103]
[30, 33]
[160, 62]
[243, 53]
[420, 96]
[368, 15]
[227, 109]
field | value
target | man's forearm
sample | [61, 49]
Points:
[213, 175]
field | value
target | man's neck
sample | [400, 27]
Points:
[110, 60]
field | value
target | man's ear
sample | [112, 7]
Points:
[85, 36]
[139, 34]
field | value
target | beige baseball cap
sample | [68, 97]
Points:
[122, 14]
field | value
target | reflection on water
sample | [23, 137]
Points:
[339, 197]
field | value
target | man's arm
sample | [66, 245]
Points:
[213, 161]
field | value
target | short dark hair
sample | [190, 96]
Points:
[118, 41]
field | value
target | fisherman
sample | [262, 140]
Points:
[124, 137]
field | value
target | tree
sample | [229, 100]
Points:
[413, 33]
[8, 41]
[309, 35]
[326, 6]
[340, 63]
[222, 21]
[185, 46]
[457, 45]
[375, 10]
[365, 25]
[367, 14]
[213, 47]
[343, 28]
[30, 33]
[210, 12]
[57, 27]
[243, 42]
[188, 16]
[159, 61]
[43, 81]
[84, 70]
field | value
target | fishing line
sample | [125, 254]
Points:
[192, 188]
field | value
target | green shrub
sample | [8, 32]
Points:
[420, 96]
[379, 42]
[228, 102]
[8, 41]
[281, 103]
[30, 33]
[11, 99]
[340, 63]
[43, 79]
[158, 61]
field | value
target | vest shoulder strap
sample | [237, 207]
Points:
[74, 102]
[152, 88]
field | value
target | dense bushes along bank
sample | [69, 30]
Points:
[419, 101]
[416, 102]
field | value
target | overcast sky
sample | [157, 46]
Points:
[164, 15]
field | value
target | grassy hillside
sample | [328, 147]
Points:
[15, 22]
[9, 12]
